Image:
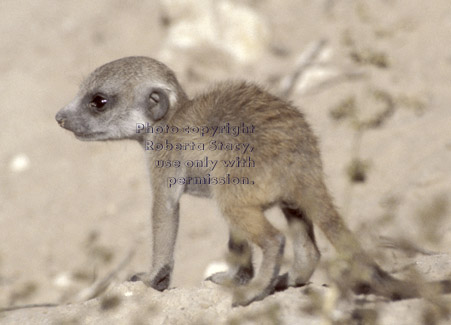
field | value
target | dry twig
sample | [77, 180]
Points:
[306, 59]
[89, 293]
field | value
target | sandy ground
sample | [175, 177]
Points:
[70, 212]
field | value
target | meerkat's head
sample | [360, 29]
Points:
[120, 94]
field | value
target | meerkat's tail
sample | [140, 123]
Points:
[365, 275]
[383, 284]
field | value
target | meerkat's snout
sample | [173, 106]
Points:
[60, 118]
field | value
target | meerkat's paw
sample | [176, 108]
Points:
[159, 282]
[282, 282]
[232, 278]
[229, 279]
[142, 276]
[285, 281]
[245, 295]
[222, 278]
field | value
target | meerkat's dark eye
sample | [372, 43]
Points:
[98, 103]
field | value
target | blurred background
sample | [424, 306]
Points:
[372, 77]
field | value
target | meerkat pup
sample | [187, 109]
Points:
[239, 145]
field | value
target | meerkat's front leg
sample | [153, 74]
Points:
[240, 262]
[165, 220]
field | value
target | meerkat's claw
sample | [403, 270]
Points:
[228, 278]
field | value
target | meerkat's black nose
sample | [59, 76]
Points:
[60, 118]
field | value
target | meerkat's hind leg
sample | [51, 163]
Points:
[251, 223]
[306, 253]
[240, 262]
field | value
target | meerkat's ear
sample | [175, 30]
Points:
[158, 103]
